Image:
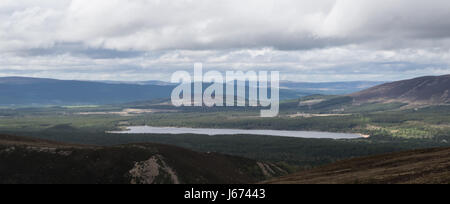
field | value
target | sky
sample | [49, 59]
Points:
[309, 41]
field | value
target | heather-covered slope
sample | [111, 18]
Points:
[423, 90]
[25, 160]
[430, 166]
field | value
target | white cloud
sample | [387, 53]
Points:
[309, 40]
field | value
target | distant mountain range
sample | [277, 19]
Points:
[34, 91]
[21, 91]
[330, 88]
[423, 90]
[154, 82]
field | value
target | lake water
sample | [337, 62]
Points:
[215, 132]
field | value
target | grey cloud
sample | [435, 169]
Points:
[79, 50]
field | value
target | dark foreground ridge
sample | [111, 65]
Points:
[26, 160]
[430, 166]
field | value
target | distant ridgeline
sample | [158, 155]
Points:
[18, 91]
[31, 91]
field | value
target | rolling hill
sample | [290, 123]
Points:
[430, 166]
[423, 90]
[26, 160]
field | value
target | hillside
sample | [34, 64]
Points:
[423, 90]
[25, 160]
[414, 167]
[407, 94]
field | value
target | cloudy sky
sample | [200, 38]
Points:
[320, 40]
